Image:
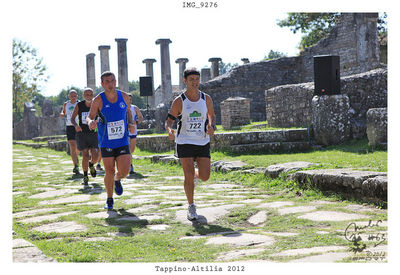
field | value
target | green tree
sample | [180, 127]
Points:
[138, 100]
[134, 86]
[274, 55]
[134, 89]
[226, 67]
[29, 74]
[58, 100]
[382, 25]
[315, 26]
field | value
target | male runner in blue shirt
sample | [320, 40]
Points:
[116, 121]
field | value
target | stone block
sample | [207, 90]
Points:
[235, 111]
[160, 116]
[331, 119]
[59, 145]
[275, 170]
[361, 184]
[377, 126]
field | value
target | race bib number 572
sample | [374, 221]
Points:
[115, 129]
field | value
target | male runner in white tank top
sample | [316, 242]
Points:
[66, 112]
[138, 117]
[197, 123]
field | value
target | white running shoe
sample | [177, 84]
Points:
[192, 215]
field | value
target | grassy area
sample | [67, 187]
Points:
[44, 168]
[352, 154]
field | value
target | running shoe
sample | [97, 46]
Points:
[75, 170]
[109, 204]
[85, 179]
[118, 187]
[92, 170]
[131, 171]
[98, 167]
[192, 215]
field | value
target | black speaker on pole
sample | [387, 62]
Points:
[326, 75]
[146, 86]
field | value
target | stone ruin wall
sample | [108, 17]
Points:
[250, 81]
[49, 124]
[354, 39]
[290, 105]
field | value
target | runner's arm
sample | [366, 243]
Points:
[94, 110]
[131, 122]
[139, 115]
[62, 114]
[176, 109]
[212, 119]
[73, 121]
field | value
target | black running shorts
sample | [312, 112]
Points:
[71, 132]
[114, 152]
[192, 151]
[86, 140]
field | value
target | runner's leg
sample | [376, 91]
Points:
[94, 155]
[109, 167]
[203, 168]
[85, 159]
[132, 142]
[73, 151]
[123, 165]
[188, 171]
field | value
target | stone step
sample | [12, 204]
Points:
[224, 141]
[367, 185]
[272, 147]
[33, 145]
[47, 138]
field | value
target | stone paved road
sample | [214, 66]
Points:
[153, 197]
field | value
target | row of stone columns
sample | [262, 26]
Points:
[166, 84]
[123, 82]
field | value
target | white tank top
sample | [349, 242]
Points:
[134, 116]
[69, 109]
[193, 121]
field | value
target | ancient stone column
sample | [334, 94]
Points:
[245, 60]
[214, 66]
[149, 66]
[182, 66]
[149, 72]
[123, 83]
[104, 58]
[205, 75]
[166, 85]
[90, 71]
